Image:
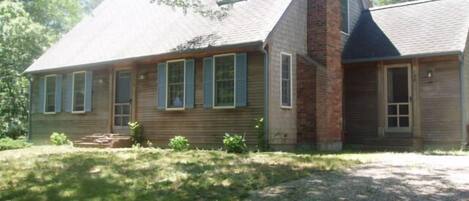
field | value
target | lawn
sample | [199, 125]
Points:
[66, 173]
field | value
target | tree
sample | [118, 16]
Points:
[27, 28]
[387, 2]
[21, 40]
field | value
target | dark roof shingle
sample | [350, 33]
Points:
[409, 29]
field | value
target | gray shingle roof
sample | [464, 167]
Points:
[121, 29]
[418, 28]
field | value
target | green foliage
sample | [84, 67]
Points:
[8, 143]
[136, 133]
[179, 143]
[27, 28]
[59, 139]
[234, 143]
[261, 141]
[387, 2]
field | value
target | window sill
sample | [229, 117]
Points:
[175, 109]
[49, 113]
[286, 107]
[78, 112]
[223, 107]
[347, 34]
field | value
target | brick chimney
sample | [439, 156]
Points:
[325, 46]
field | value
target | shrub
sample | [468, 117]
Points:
[261, 142]
[234, 143]
[59, 139]
[8, 143]
[179, 143]
[136, 134]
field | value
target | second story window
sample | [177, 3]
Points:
[345, 16]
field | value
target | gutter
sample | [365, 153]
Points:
[464, 139]
[349, 61]
[266, 95]
[30, 102]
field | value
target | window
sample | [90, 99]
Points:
[286, 63]
[175, 84]
[49, 102]
[224, 77]
[345, 16]
[78, 94]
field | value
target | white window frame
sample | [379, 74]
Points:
[214, 82]
[348, 19]
[73, 93]
[409, 91]
[167, 80]
[45, 93]
[291, 81]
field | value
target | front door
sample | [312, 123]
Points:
[122, 101]
[398, 99]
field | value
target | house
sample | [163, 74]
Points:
[322, 73]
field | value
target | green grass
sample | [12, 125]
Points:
[66, 173]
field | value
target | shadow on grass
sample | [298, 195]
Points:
[130, 175]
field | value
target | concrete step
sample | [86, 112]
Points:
[108, 140]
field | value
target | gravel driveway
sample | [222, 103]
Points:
[390, 177]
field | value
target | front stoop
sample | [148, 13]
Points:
[100, 140]
[390, 144]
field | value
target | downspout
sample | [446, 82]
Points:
[30, 103]
[464, 141]
[266, 96]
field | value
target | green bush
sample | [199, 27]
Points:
[234, 143]
[136, 134]
[8, 143]
[59, 139]
[179, 143]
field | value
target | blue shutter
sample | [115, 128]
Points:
[161, 86]
[88, 91]
[41, 97]
[208, 82]
[190, 80]
[241, 80]
[58, 93]
[68, 93]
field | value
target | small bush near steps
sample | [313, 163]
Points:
[59, 139]
[234, 143]
[179, 143]
[136, 133]
[8, 143]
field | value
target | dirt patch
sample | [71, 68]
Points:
[391, 177]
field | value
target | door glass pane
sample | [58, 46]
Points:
[392, 109]
[398, 88]
[117, 121]
[404, 122]
[392, 122]
[404, 109]
[123, 82]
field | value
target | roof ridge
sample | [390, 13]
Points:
[408, 3]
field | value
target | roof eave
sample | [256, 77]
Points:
[255, 45]
[430, 54]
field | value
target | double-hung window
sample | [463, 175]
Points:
[345, 16]
[78, 93]
[50, 93]
[175, 84]
[286, 81]
[224, 81]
